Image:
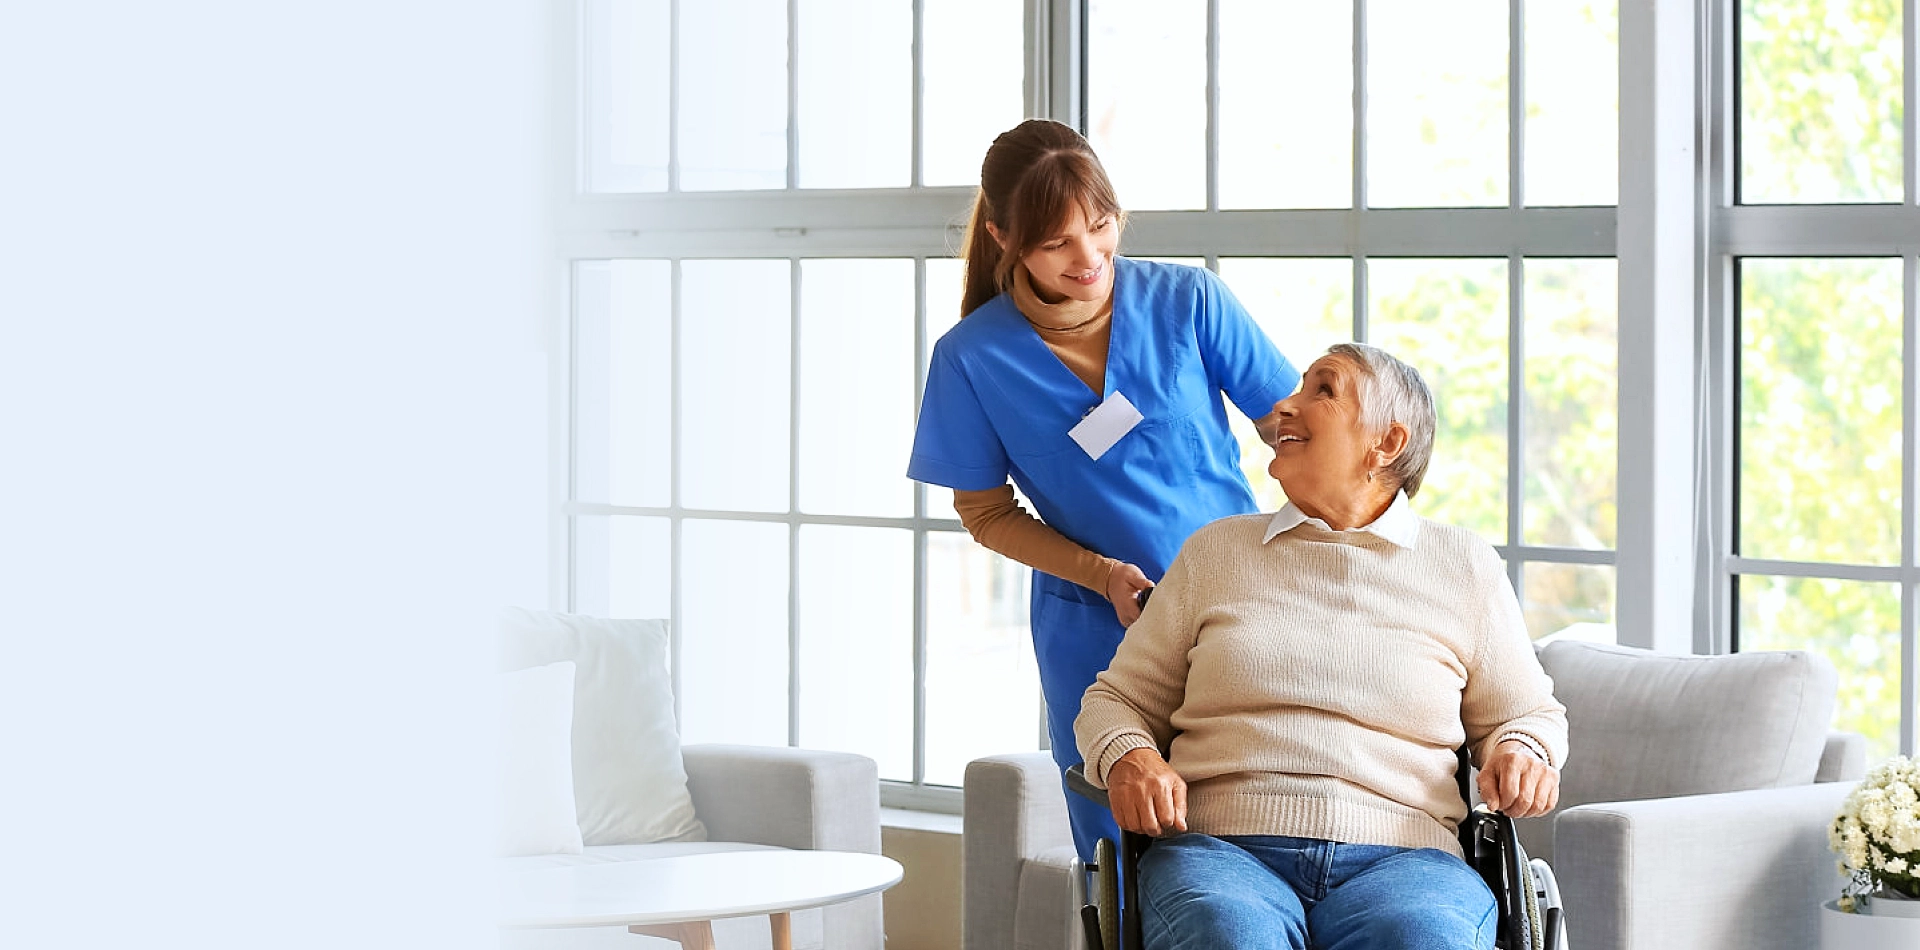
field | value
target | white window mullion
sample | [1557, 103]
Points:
[1359, 117]
[1516, 413]
[794, 434]
[793, 94]
[673, 150]
[676, 547]
[1909, 461]
[916, 175]
[1213, 106]
[921, 347]
[1910, 129]
[1658, 313]
[1516, 294]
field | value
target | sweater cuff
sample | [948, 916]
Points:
[1117, 748]
[1533, 745]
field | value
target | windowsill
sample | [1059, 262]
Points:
[914, 820]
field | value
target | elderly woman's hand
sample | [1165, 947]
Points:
[1147, 796]
[1516, 782]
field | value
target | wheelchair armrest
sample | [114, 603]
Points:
[1078, 782]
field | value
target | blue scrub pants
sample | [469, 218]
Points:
[1075, 634]
[1268, 891]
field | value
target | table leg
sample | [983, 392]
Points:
[782, 931]
[692, 935]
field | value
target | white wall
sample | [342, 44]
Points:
[273, 444]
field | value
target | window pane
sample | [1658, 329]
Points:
[628, 82]
[1820, 113]
[736, 391]
[623, 361]
[855, 661]
[945, 286]
[856, 93]
[1572, 423]
[1147, 99]
[1568, 601]
[1448, 319]
[623, 566]
[1436, 103]
[1305, 305]
[1286, 104]
[983, 690]
[1573, 103]
[856, 387]
[1820, 389]
[733, 94]
[971, 63]
[733, 640]
[1855, 624]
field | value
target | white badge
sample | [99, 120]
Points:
[1104, 426]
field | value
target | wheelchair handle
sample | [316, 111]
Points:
[1078, 782]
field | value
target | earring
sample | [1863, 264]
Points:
[1369, 474]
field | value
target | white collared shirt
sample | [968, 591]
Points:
[1397, 525]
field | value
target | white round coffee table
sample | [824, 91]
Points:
[677, 897]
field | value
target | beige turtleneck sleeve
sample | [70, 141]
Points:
[996, 520]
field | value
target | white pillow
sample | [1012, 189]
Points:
[536, 762]
[629, 782]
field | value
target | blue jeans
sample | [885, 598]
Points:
[1256, 891]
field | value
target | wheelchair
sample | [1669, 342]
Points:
[1524, 889]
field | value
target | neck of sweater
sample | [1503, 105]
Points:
[1067, 316]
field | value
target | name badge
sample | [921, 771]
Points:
[1104, 426]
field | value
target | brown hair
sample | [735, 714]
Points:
[1033, 176]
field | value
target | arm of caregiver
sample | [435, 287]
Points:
[998, 522]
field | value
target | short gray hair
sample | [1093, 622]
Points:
[1390, 391]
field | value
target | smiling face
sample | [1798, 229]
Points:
[1075, 262]
[1321, 451]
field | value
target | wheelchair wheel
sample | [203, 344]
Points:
[1106, 892]
[1535, 935]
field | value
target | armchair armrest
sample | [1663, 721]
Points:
[1015, 811]
[1743, 870]
[793, 798]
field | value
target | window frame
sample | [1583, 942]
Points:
[923, 223]
[1733, 232]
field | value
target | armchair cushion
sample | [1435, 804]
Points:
[1649, 725]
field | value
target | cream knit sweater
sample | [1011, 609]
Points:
[1317, 684]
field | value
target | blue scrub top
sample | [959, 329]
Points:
[998, 403]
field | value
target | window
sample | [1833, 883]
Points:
[1412, 224]
[761, 254]
[1813, 245]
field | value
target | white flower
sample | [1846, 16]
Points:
[1877, 832]
[1901, 795]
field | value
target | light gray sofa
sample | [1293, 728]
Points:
[1693, 813]
[751, 797]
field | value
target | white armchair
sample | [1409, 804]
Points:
[636, 794]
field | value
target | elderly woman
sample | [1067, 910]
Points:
[1310, 675]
